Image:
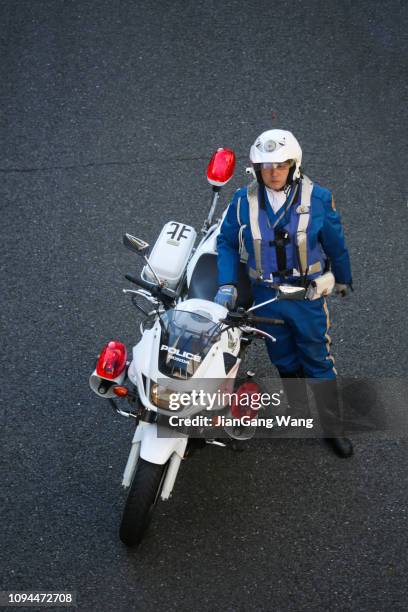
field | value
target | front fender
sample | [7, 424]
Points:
[155, 449]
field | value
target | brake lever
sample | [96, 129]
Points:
[254, 330]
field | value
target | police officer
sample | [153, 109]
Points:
[287, 229]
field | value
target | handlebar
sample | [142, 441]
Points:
[267, 320]
[138, 281]
[166, 296]
[241, 317]
[247, 322]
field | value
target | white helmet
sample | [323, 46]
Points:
[277, 146]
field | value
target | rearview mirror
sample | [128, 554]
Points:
[136, 245]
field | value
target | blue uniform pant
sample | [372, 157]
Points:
[304, 341]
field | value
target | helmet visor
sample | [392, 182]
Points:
[277, 165]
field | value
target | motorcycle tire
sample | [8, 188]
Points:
[142, 498]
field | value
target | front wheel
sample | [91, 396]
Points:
[141, 501]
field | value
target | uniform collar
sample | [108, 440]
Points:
[272, 216]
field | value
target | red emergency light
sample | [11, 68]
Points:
[112, 360]
[221, 167]
[242, 406]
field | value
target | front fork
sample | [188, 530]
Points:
[149, 446]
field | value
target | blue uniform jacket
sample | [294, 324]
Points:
[324, 232]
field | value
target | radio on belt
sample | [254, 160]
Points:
[170, 254]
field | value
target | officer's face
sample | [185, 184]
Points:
[275, 176]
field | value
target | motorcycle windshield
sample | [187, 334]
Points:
[185, 340]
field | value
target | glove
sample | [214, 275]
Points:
[340, 289]
[226, 296]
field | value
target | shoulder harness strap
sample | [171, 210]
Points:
[252, 195]
[242, 250]
[304, 216]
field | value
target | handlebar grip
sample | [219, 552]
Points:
[267, 320]
[140, 282]
[162, 293]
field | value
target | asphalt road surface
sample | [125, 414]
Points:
[110, 111]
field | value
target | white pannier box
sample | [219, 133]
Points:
[170, 254]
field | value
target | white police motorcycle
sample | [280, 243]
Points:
[187, 338]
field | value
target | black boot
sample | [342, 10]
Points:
[328, 406]
[341, 446]
[294, 385]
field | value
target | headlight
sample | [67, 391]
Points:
[164, 398]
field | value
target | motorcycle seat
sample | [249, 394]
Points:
[204, 281]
